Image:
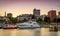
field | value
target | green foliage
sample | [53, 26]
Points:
[25, 20]
[14, 20]
[47, 19]
[2, 20]
[39, 20]
[56, 20]
[33, 17]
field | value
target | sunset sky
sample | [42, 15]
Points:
[18, 7]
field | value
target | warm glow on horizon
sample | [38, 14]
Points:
[18, 7]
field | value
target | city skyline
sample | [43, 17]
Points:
[18, 7]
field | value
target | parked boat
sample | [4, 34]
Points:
[9, 26]
[28, 25]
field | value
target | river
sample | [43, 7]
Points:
[28, 32]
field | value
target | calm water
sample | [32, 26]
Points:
[28, 32]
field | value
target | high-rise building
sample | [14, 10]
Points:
[52, 14]
[36, 12]
[9, 15]
[59, 14]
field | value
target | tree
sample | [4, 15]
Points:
[2, 20]
[25, 20]
[33, 17]
[57, 20]
[39, 20]
[47, 19]
[13, 20]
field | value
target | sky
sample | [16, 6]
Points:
[19, 7]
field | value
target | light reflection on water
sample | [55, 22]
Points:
[28, 32]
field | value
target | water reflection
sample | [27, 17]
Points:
[28, 32]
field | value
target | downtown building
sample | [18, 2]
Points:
[52, 14]
[36, 12]
[59, 14]
[9, 14]
[24, 16]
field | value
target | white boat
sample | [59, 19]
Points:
[30, 24]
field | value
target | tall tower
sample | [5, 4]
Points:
[5, 13]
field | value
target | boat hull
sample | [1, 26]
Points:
[28, 27]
